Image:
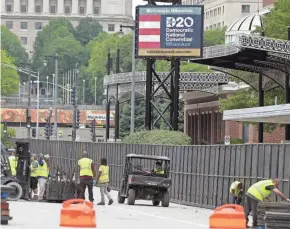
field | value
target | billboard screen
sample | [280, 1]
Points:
[169, 31]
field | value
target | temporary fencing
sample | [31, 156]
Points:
[201, 175]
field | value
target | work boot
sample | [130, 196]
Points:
[101, 203]
[111, 201]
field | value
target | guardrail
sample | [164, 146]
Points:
[201, 175]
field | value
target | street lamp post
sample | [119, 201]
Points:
[95, 90]
[132, 123]
[47, 89]
[37, 112]
[84, 82]
[28, 106]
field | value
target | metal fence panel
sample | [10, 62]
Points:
[201, 175]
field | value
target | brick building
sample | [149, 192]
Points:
[203, 121]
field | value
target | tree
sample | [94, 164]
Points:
[10, 43]
[6, 136]
[9, 75]
[87, 30]
[275, 23]
[214, 37]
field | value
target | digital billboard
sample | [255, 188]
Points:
[169, 31]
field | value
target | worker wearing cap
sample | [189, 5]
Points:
[13, 161]
[236, 190]
[42, 176]
[34, 176]
[87, 176]
[158, 168]
[259, 192]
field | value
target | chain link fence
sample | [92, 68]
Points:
[201, 175]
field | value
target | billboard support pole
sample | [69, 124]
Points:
[173, 93]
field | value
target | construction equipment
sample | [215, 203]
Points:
[7, 178]
[140, 184]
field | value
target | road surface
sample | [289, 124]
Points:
[30, 215]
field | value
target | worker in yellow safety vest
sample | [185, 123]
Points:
[87, 176]
[13, 161]
[259, 192]
[158, 168]
[103, 180]
[34, 177]
[236, 190]
[42, 170]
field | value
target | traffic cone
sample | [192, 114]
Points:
[228, 216]
[78, 213]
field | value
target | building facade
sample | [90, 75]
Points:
[26, 17]
[220, 13]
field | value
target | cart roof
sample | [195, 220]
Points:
[148, 157]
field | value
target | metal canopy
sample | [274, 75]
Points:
[256, 54]
[189, 81]
[267, 114]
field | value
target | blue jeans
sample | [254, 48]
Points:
[236, 200]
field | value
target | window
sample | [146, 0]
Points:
[96, 11]
[219, 25]
[23, 25]
[223, 9]
[67, 10]
[23, 40]
[38, 25]
[82, 10]
[23, 9]
[215, 12]
[219, 11]
[38, 9]
[111, 28]
[52, 10]
[245, 9]
[9, 24]
[8, 8]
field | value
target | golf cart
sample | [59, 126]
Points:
[140, 182]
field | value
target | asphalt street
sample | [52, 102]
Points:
[30, 215]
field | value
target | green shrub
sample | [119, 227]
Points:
[236, 141]
[158, 137]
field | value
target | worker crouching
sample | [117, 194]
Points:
[259, 192]
[236, 190]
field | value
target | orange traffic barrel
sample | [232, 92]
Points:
[228, 216]
[78, 213]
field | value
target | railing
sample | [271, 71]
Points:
[201, 175]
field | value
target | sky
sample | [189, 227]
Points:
[136, 3]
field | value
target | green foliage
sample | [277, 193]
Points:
[214, 37]
[236, 141]
[5, 137]
[87, 30]
[276, 22]
[10, 43]
[9, 76]
[160, 137]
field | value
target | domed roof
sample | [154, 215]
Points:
[249, 22]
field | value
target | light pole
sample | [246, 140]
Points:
[37, 112]
[53, 88]
[95, 90]
[47, 89]
[121, 33]
[84, 82]
[19, 92]
[55, 76]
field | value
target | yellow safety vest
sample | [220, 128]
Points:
[258, 190]
[104, 178]
[42, 170]
[13, 161]
[85, 167]
[34, 171]
[234, 186]
[158, 171]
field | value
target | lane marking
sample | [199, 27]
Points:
[162, 217]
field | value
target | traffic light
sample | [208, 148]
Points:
[50, 130]
[93, 130]
[5, 127]
[33, 133]
[46, 132]
[78, 119]
[27, 113]
[73, 96]
[74, 135]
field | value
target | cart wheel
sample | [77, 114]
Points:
[131, 197]
[155, 202]
[16, 195]
[165, 199]
[121, 199]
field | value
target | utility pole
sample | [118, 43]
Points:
[74, 103]
[28, 115]
[37, 114]
[55, 97]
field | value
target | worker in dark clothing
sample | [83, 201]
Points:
[87, 176]
[259, 192]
